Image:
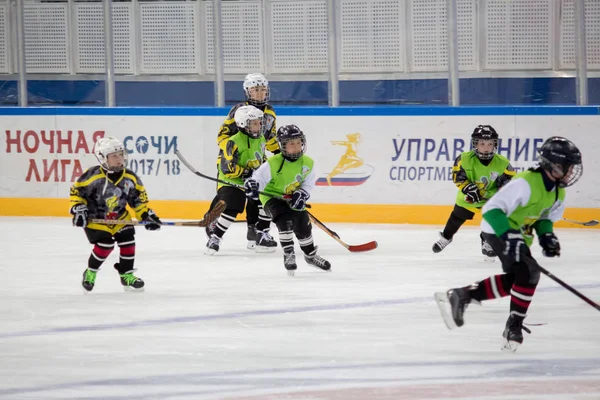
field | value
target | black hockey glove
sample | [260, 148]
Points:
[251, 187]
[299, 199]
[247, 173]
[154, 222]
[80, 215]
[514, 245]
[472, 194]
[550, 245]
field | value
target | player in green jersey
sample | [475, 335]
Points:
[290, 177]
[242, 153]
[532, 201]
[256, 89]
[478, 174]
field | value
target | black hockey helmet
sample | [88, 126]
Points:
[484, 132]
[562, 159]
[284, 135]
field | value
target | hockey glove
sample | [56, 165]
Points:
[154, 222]
[472, 194]
[80, 215]
[247, 173]
[550, 245]
[251, 187]
[299, 199]
[514, 245]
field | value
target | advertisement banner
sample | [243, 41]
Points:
[378, 160]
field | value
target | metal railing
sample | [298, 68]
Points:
[328, 40]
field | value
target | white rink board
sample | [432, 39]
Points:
[391, 173]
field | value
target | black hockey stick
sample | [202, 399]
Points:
[592, 222]
[352, 248]
[210, 178]
[530, 260]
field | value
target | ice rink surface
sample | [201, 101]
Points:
[235, 326]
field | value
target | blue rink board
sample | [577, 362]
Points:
[309, 111]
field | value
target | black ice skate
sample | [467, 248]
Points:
[89, 278]
[452, 305]
[317, 261]
[441, 244]
[251, 237]
[130, 282]
[489, 255]
[513, 334]
[289, 261]
[265, 242]
[212, 246]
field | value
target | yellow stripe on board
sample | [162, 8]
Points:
[360, 213]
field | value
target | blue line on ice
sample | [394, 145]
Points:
[242, 314]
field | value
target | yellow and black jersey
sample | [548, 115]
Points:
[229, 128]
[107, 196]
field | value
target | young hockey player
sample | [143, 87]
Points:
[532, 201]
[256, 89]
[241, 155]
[478, 174]
[104, 192]
[289, 174]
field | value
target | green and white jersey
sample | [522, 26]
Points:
[524, 204]
[279, 176]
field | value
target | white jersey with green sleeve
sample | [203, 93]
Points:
[523, 204]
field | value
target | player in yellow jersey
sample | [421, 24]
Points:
[104, 192]
[257, 91]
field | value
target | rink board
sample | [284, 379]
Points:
[375, 165]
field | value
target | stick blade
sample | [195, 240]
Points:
[591, 223]
[211, 216]
[215, 212]
[363, 247]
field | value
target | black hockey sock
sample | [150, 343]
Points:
[307, 245]
[264, 221]
[99, 253]
[286, 239]
[493, 287]
[453, 225]
[127, 254]
[223, 223]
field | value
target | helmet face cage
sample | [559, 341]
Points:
[562, 159]
[256, 80]
[484, 132]
[107, 146]
[287, 133]
[484, 156]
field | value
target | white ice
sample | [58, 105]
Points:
[235, 326]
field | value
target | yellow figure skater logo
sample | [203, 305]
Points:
[339, 175]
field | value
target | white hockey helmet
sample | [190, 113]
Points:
[253, 80]
[106, 146]
[244, 115]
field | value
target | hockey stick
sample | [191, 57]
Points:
[571, 289]
[592, 222]
[211, 216]
[358, 248]
[352, 248]
[210, 178]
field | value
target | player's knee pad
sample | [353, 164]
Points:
[284, 223]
